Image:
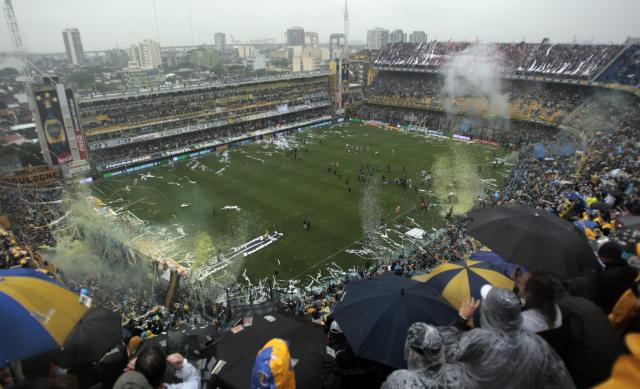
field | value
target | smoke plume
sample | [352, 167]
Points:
[473, 83]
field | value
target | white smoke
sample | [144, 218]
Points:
[476, 74]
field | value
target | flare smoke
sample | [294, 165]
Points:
[476, 72]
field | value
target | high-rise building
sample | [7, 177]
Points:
[397, 36]
[220, 40]
[295, 36]
[145, 55]
[303, 63]
[418, 37]
[377, 38]
[311, 38]
[73, 46]
[245, 51]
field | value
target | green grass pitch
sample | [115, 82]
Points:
[275, 192]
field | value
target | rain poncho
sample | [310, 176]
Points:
[273, 368]
[451, 340]
[501, 354]
[424, 351]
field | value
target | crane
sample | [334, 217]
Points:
[25, 71]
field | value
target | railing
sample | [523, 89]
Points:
[105, 144]
[554, 80]
[106, 166]
[199, 85]
[138, 125]
[459, 109]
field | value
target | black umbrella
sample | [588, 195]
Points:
[628, 231]
[630, 222]
[600, 206]
[188, 340]
[375, 314]
[97, 332]
[306, 345]
[534, 238]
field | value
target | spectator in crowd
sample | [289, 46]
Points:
[115, 361]
[501, 354]
[427, 367]
[604, 288]
[625, 315]
[535, 59]
[132, 380]
[616, 278]
[151, 365]
[273, 367]
[540, 312]
[350, 369]
[589, 344]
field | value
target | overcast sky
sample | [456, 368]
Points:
[106, 24]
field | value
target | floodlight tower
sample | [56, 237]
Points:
[155, 18]
[343, 58]
[16, 41]
[23, 64]
[346, 31]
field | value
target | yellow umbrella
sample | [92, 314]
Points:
[37, 314]
[457, 282]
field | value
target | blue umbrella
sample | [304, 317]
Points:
[582, 224]
[457, 282]
[36, 314]
[375, 314]
[488, 256]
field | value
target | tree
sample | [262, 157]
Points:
[218, 69]
[280, 62]
[9, 72]
[29, 153]
[82, 78]
[260, 72]
[106, 88]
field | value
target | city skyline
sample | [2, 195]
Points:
[493, 20]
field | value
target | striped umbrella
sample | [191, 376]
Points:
[457, 282]
[36, 314]
[488, 256]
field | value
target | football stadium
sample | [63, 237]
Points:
[460, 214]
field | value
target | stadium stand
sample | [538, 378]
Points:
[546, 183]
[31, 210]
[563, 61]
[546, 103]
[133, 125]
[513, 138]
[625, 70]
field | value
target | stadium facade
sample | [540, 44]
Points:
[541, 84]
[136, 128]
